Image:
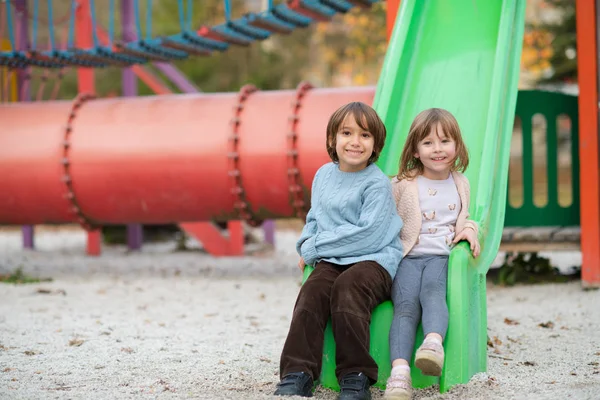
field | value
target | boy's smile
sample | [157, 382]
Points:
[354, 146]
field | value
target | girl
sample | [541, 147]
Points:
[352, 237]
[432, 197]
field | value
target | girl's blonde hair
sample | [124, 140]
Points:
[411, 166]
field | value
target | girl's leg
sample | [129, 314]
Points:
[303, 348]
[430, 355]
[433, 297]
[356, 292]
[407, 315]
[407, 310]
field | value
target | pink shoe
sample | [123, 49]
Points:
[430, 358]
[398, 387]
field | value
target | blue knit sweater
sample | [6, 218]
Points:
[352, 218]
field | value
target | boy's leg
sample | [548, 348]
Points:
[303, 349]
[407, 308]
[433, 296]
[356, 292]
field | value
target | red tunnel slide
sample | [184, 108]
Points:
[165, 159]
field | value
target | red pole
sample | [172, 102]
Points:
[85, 80]
[587, 67]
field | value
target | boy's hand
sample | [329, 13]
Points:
[469, 235]
[301, 264]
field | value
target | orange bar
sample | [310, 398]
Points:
[85, 79]
[392, 11]
[161, 159]
[588, 141]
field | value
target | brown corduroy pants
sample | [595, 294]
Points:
[348, 294]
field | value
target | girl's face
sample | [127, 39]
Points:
[354, 145]
[437, 152]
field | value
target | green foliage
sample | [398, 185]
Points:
[527, 268]
[18, 277]
[564, 42]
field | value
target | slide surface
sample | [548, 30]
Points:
[461, 55]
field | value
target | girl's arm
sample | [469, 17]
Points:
[366, 237]
[469, 223]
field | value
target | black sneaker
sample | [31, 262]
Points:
[295, 384]
[355, 386]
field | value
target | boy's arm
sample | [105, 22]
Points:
[309, 230]
[310, 226]
[348, 240]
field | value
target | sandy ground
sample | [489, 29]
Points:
[162, 324]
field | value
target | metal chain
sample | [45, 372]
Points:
[294, 180]
[84, 221]
[240, 202]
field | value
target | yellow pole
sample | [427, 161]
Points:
[8, 78]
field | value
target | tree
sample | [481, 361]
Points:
[554, 43]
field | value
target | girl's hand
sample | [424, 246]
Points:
[301, 264]
[469, 235]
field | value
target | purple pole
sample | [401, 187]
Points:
[135, 232]
[24, 94]
[175, 76]
[269, 231]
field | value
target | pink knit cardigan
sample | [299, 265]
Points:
[406, 194]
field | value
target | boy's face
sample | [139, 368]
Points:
[354, 145]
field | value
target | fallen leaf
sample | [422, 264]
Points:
[263, 359]
[262, 296]
[127, 350]
[509, 321]
[221, 362]
[597, 353]
[529, 363]
[76, 342]
[551, 383]
[48, 291]
[7, 369]
[594, 363]
[548, 324]
[30, 353]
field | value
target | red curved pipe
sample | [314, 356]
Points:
[160, 159]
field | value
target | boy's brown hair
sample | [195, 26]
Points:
[366, 117]
[429, 119]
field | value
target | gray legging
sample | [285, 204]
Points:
[420, 284]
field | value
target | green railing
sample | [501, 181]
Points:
[543, 180]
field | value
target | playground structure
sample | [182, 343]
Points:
[115, 161]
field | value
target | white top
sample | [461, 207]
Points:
[440, 206]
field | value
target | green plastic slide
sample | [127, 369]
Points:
[461, 55]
